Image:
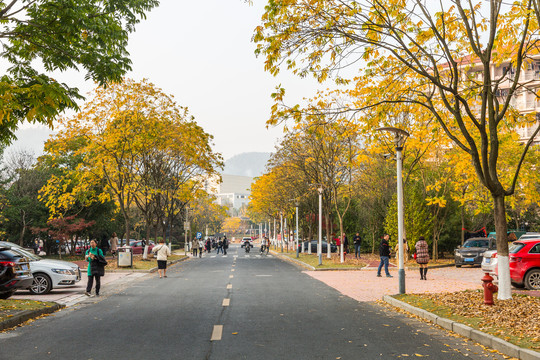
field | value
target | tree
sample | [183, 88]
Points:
[42, 36]
[441, 61]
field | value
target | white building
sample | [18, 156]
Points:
[233, 191]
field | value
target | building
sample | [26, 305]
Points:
[233, 190]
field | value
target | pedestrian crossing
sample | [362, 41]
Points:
[246, 256]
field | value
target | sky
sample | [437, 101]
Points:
[201, 53]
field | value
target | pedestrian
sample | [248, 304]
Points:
[208, 246]
[345, 245]
[162, 251]
[194, 247]
[201, 246]
[114, 244]
[225, 245]
[104, 244]
[96, 267]
[384, 253]
[41, 248]
[219, 246]
[357, 244]
[405, 251]
[422, 256]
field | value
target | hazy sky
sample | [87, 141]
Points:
[201, 52]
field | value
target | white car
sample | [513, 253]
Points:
[48, 274]
[489, 262]
[244, 239]
[530, 235]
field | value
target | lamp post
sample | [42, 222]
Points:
[281, 229]
[319, 244]
[399, 137]
[297, 249]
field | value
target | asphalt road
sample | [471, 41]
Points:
[254, 307]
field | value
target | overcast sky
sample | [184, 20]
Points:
[201, 52]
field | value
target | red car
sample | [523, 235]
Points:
[138, 248]
[524, 261]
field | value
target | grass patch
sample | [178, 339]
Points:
[139, 263]
[332, 263]
[513, 320]
[8, 307]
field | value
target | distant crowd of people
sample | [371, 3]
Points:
[198, 246]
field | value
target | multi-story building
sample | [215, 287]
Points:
[233, 191]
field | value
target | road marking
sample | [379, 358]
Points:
[232, 269]
[226, 302]
[263, 275]
[246, 256]
[258, 256]
[217, 333]
[229, 286]
[213, 256]
[231, 276]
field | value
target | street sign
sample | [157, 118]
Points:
[199, 235]
[187, 225]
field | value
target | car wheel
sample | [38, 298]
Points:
[6, 295]
[532, 280]
[42, 284]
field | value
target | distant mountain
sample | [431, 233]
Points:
[250, 164]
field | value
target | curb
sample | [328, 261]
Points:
[295, 262]
[466, 331]
[26, 315]
[152, 270]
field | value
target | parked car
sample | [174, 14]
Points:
[524, 261]
[14, 272]
[489, 262]
[333, 247]
[471, 253]
[530, 235]
[137, 246]
[47, 274]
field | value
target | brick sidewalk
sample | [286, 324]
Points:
[366, 286]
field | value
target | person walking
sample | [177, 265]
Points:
[357, 240]
[422, 256]
[384, 253]
[194, 247]
[345, 245]
[225, 245]
[201, 247]
[405, 251]
[104, 244]
[96, 267]
[219, 246]
[114, 244]
[162, 251]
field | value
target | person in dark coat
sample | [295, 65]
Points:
[384, 253]
[104, 244]
[357, 244]
[225, 245]
[345, 245]
[96, 267]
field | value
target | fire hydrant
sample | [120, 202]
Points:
[489, 289]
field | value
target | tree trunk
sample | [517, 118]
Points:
[501, 228]
[462, 224]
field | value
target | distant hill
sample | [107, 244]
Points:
[250, 164]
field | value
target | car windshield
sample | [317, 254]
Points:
[476, 243]
[29, 255]
[515, 247]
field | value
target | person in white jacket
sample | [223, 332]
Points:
[162, 251]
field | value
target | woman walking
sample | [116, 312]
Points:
[422, 256]
[162, 252]
[96, 267]
[114, 244]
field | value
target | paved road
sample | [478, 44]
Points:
[254, 307]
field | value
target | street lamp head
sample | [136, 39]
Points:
[400, 134]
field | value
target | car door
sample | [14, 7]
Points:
[532, 259]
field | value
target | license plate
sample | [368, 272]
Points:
[469, 260]
[488, 260]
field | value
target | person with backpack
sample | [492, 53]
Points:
[96, 267]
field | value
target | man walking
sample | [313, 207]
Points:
[357, 243]
[384, 252]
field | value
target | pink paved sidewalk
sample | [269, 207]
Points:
[364, 285]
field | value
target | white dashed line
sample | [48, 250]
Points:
[217, 333]
[226, 302]
[229, 286]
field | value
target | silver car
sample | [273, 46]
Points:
[48, 274]
[489, 262]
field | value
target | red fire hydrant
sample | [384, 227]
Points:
[489, 289]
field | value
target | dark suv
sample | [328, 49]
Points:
[14, 272]
[471, 253]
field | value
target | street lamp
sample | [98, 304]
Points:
[399, 137]
[281, 229]
[319, 245]
[297, 230]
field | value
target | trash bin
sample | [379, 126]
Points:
[125, 256]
